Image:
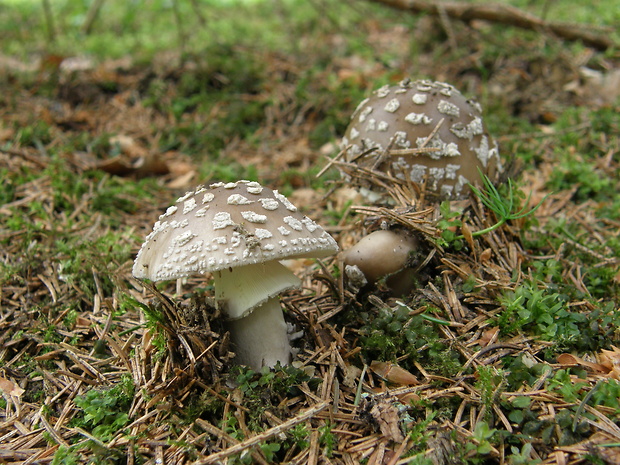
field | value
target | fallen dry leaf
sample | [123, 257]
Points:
[569, 359]
[467, 234]
[393, 373]
[386, 415]
[489, 336]
[486, 255]
[10, 388]
[610, 359]
[128, 145]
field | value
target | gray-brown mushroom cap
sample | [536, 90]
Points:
[225, 226]
[421, 114]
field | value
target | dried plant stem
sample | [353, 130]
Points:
[271, 432]
[504, 14]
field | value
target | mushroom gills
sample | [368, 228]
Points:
[240, 290]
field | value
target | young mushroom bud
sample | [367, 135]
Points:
[238, 232]
[423, 115]
[382, 254]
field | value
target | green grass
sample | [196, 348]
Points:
[598, 13]
[130, 29]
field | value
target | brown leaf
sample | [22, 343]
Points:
[486, 255]
[610, 359]
[393, 373]
[469, 238]
[351, 375]
[10, 388]
[408, 397]
[183, 180]
[489, 336]
[386, 416]
[569, 359]
[128, 145]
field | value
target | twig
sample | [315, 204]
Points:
[179, 23]
[49, 21]
[209, 428]
[271, 432]
[504, 14]
[198, 12]
[432, 134]
[91, 16]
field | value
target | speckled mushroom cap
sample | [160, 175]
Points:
[408, 113]
[225, 226]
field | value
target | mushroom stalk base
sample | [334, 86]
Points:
[261, 338]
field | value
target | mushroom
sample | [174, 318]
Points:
[238, 232]
[382, 253]
[418, 115]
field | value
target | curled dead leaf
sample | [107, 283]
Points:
[489, 336]
[486, 255]
[469, 238]
[173, 164]
[570, 359]
[393, 373]
[351, 376]
[10, 388]
[386, 416]
[610, 359]
[408, 397]
[128, 146]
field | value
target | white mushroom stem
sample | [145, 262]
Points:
[248, 296]
[261, 338]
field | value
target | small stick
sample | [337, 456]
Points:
[276, 430]
[331, 162]
[432, 134]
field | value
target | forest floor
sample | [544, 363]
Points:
[506, 351]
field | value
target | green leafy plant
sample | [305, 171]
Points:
[231, 427]
[490, 382]
[481, 443]
[267, 388]
[522, 456]
[418, 431]
[448, 225]
[571, 390]
[105, 412]
[299, 435]
[269, 450]
[607, 393]
[542, 309]
[327, 439]
[65, 456]
[389, 333]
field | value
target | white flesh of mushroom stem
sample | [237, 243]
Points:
[247, 295]
[261, 338]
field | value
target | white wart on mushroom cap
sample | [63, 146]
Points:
[226, 226]
[406, 115]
